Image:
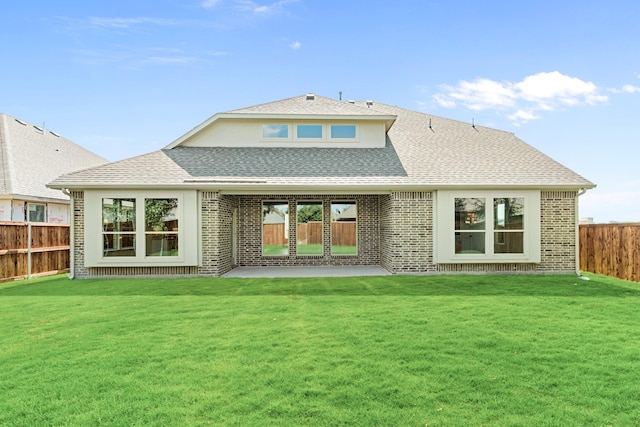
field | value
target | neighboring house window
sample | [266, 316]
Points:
[309, 228]
[343, 131]
[344, 239]
[309, 132]
[37, 212]
[275, 131]
[119, 227]
[488, 226]
[161, 227]
[141, 228]
[275, 228]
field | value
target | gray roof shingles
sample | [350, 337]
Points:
[30, 157]
[447, 154]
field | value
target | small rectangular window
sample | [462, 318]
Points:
[37, 212]
[343, 131]
[275, 131]
[309, 131]
[275, 228]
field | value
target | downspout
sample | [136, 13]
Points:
[577, 219]
[72, 238]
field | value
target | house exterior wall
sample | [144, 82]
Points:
[407, 233]
[395, 231]
[406, 230]
[250, 232]
[217, 216]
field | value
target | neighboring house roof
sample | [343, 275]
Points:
[421, 152]
[273, 218]
[349, 214]
[32, 156]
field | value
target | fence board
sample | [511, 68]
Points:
[343, 233]
[611, 249]
[50, 244]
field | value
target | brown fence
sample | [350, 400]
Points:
[32, 250]
[611, 249]
[344, 233]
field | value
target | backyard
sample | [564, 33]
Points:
[392, 350]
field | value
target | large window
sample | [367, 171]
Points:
[344, 238]
[161, 227]
[118, 227]
[141, 228]
[488, 226]
[275, 228]
[309, 228]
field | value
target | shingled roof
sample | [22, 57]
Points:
[422, 151]
[31, 156]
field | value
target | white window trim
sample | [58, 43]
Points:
[187, 230]
[444, 242]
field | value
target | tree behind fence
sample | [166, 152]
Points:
[611, 249]
[49, 249]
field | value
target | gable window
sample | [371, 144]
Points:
[141, 228]
[275, 131]
[309, 228]
[309, 131]
[343, 131]
[344, 238]
[275, 228]
[488, 227]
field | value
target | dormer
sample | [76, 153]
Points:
[304, 121]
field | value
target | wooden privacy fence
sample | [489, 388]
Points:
[611, 249]
[32, 249]
[344, 233]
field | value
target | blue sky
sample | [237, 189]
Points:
[123, 78]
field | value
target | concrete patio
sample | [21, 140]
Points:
[325, 271]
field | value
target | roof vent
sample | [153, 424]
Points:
[21, 122]
[311, 96]
[38, 129]
[351, 101]
[369, 104]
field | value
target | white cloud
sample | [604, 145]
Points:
[546, 91]
[627, 89]
[208, 4]
[251, 6]
[122, 23]
[295, 45]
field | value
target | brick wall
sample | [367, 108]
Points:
[250, 232]
[558, 231]
[217, 218]
[79, 270]
[406, 228]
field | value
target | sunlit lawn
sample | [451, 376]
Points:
[369, 351]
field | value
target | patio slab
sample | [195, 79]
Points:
[323, 271]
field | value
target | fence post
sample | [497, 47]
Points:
[29, 250]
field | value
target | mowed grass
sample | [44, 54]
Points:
[368, 351]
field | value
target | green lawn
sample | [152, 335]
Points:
[370, 351]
